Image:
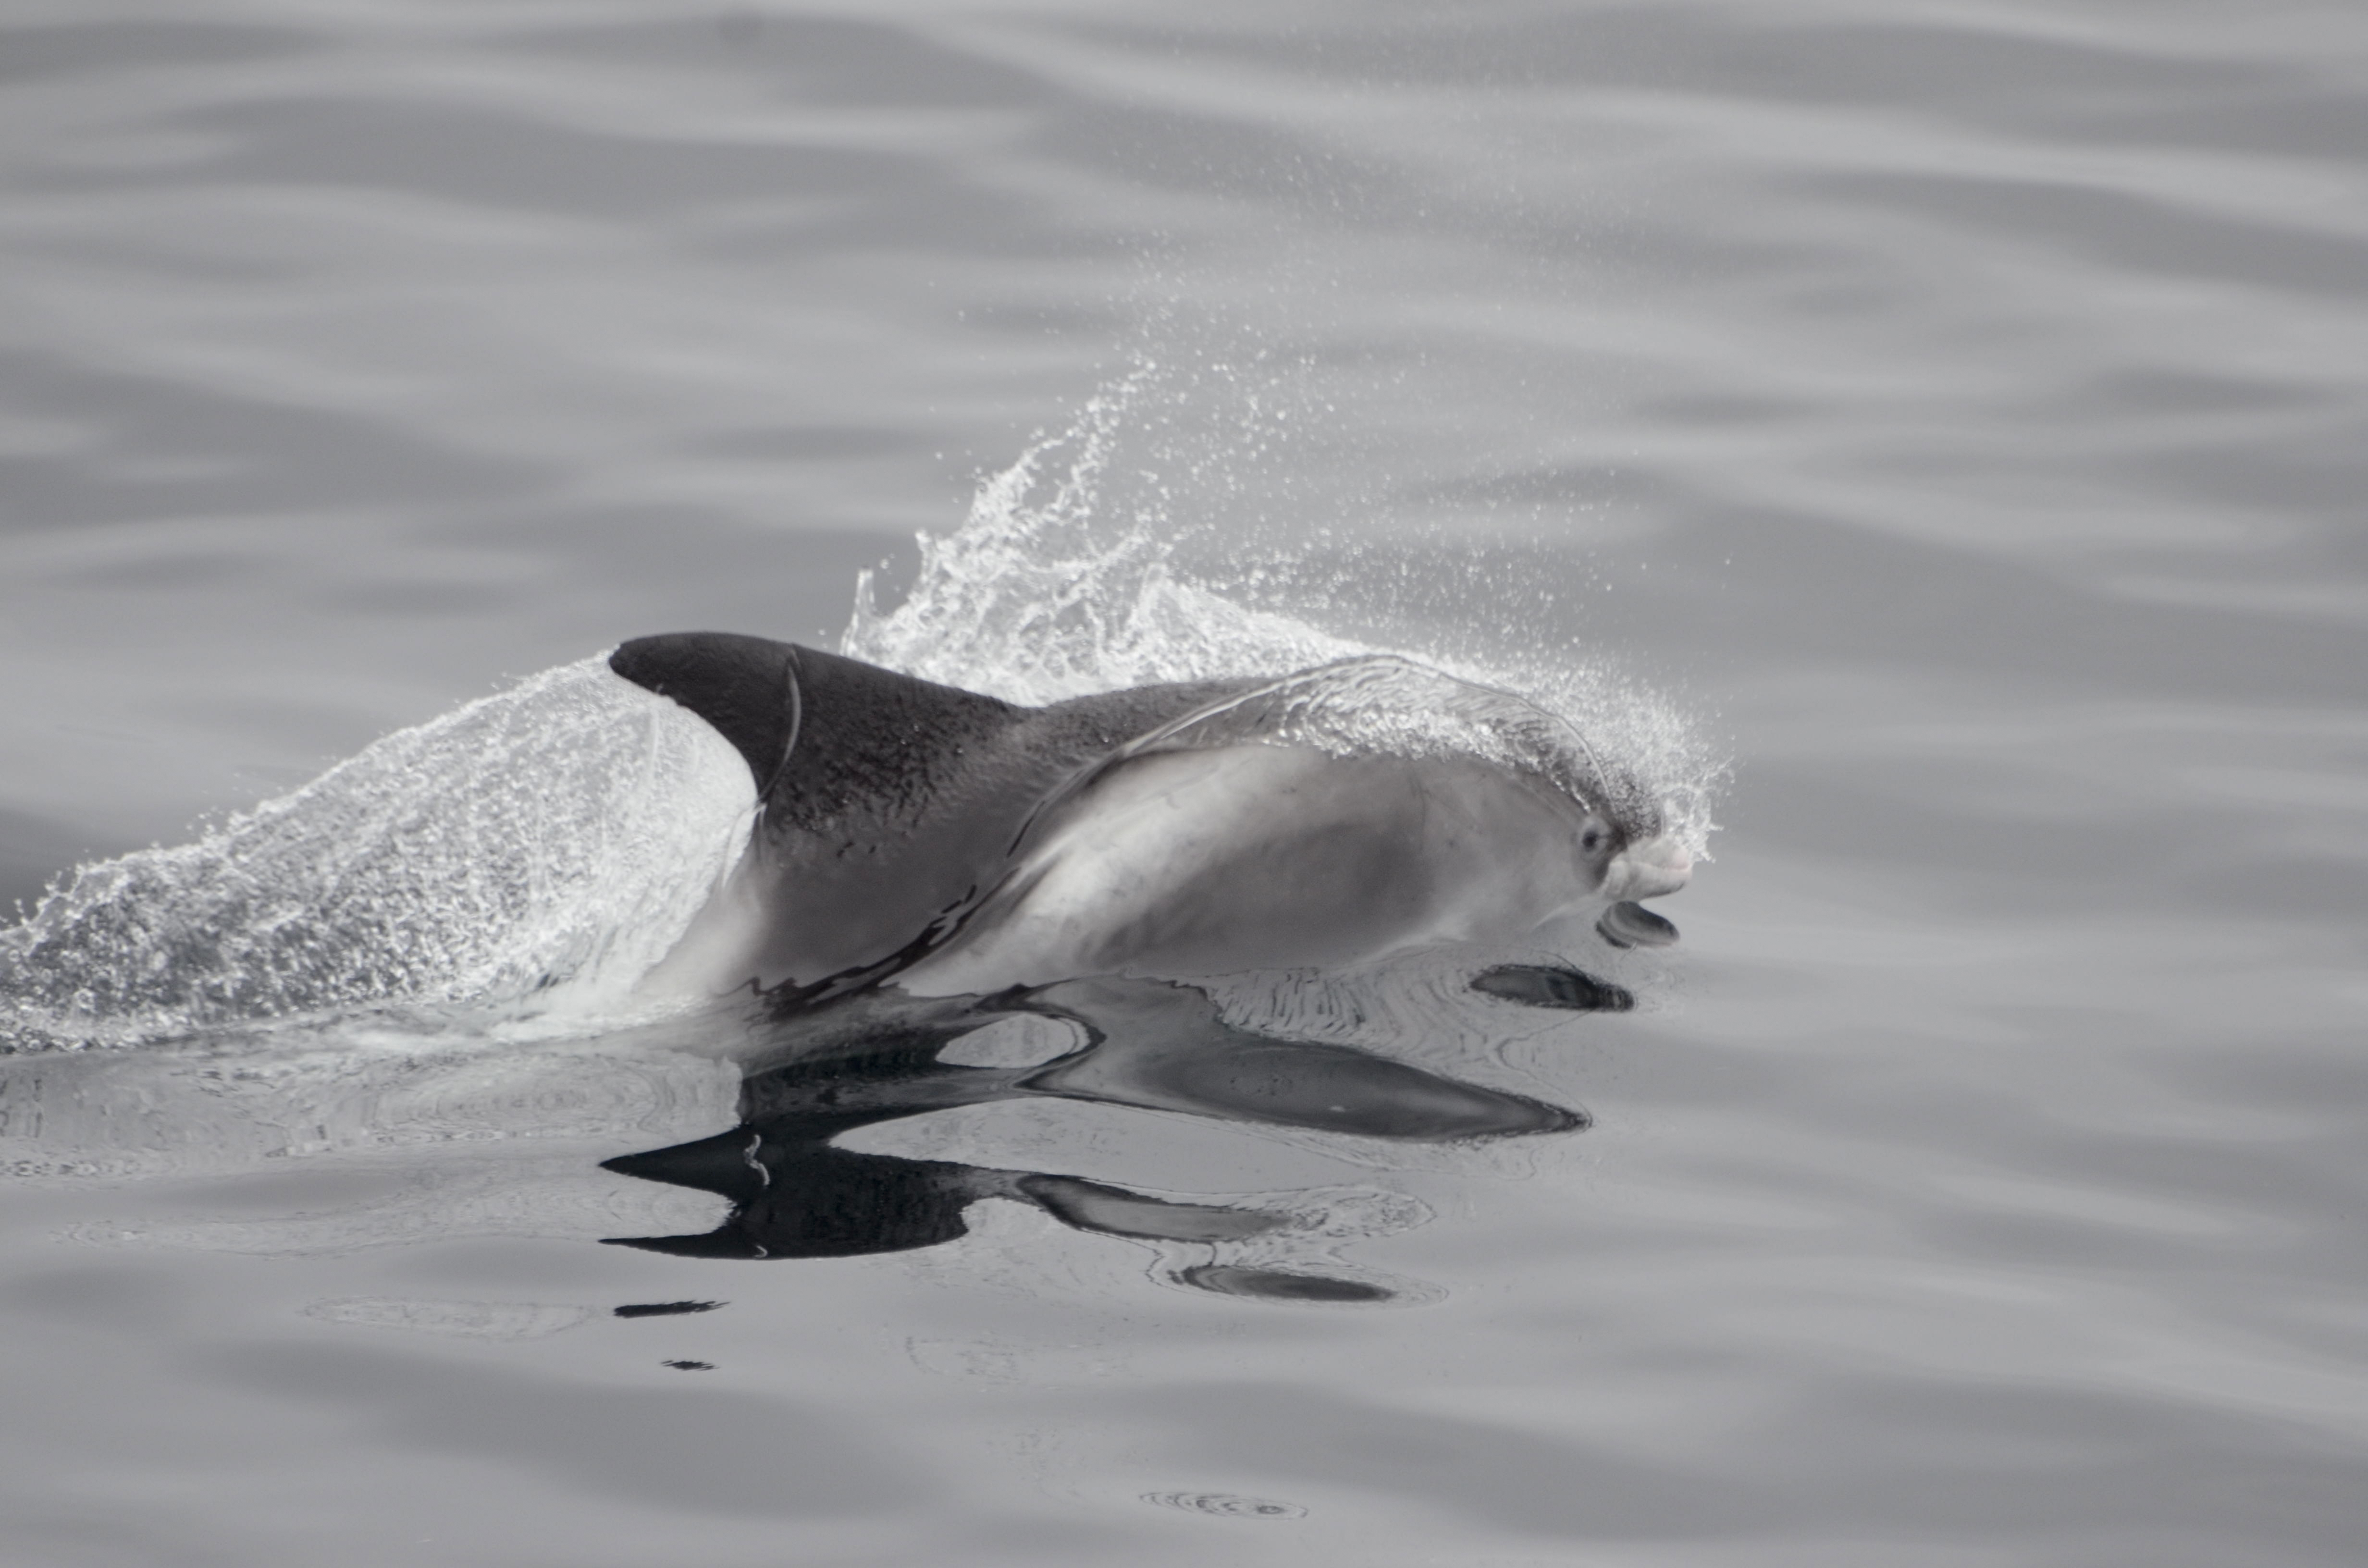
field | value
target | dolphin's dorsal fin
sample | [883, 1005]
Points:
[745, 686]
[859, 732]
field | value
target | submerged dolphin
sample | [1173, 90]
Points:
[966, 846]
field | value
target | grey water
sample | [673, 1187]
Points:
[1947, 416]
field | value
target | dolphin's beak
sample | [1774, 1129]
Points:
[1649, 869]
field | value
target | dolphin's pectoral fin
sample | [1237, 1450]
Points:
[1547, 985]
[1115, 1212]
[789, 999]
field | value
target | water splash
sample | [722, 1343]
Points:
[1066, 578]
[1044, 592]
[551, 842]
[1381, 704]
[537, 852]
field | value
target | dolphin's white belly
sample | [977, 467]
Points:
[1261, 857]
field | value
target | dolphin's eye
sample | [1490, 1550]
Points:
[1592, 840]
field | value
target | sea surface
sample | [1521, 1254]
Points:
[1927, 439]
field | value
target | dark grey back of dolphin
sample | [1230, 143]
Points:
[890, 806]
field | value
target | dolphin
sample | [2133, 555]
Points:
[960, 845]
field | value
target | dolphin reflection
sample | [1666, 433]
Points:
[1156, 1045]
